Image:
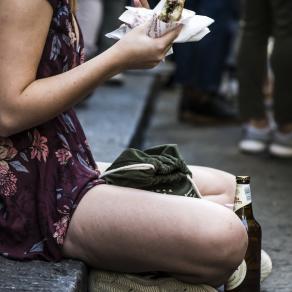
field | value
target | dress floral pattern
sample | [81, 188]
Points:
[46, 171]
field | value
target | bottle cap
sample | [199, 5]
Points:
[243, 179]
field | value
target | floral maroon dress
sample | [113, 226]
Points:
[45, 171]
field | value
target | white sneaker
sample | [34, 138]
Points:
[282, 145]
[266, 266]
[255, 140]
[239, 275]
[102, 281]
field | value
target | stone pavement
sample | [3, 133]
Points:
[41, 276]
[271, 179]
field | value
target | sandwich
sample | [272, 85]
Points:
[172, 10]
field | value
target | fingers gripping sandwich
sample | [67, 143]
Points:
[172, 10]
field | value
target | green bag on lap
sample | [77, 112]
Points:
[160, 169]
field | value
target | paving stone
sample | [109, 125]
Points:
[67, 276]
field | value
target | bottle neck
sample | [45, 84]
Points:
[243, 198]
[245, 211]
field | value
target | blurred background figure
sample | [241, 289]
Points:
[90, 17]
[97, 18]
[112, 11]
[200, 66]
[262, 19]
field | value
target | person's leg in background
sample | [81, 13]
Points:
[252, 72]
[89, 14]
[200, 66]
[262, 19]
[112, 11]
[282, 66]
[252, 60]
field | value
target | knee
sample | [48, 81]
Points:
[230, 245]
[233, 243]
[225, 244]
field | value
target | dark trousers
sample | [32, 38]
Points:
[200, 65]
[112, 11]
[263, 18]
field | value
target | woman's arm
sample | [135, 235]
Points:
[27, 102]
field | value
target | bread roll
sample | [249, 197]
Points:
[172, 10]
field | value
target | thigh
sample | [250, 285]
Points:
[131, 230]
[213, 184]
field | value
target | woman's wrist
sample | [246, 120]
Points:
[120, 57]
[112, 63]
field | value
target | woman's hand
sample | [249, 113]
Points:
[141, 3]
[136, 50]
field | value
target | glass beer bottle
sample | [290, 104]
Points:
[247, 277]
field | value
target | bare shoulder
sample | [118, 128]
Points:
[19, 17]
[26, 11]
[24, 27]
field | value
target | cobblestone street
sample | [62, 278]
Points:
[271, 179]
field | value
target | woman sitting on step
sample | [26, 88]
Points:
[53, 204]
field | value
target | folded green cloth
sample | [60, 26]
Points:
[160, 169]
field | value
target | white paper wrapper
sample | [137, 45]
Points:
[195, 27]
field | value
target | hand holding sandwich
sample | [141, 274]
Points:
[167, 15]
[138, 50]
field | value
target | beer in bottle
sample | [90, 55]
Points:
[247, 277]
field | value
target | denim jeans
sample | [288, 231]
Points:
[200, 65]
[262, 19]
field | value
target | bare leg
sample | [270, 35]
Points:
[128, 230]
[215, 185]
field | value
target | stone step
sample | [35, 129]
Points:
[40, 276]
[114, 117]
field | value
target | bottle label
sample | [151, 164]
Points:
[237, 277]
[242, 197]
